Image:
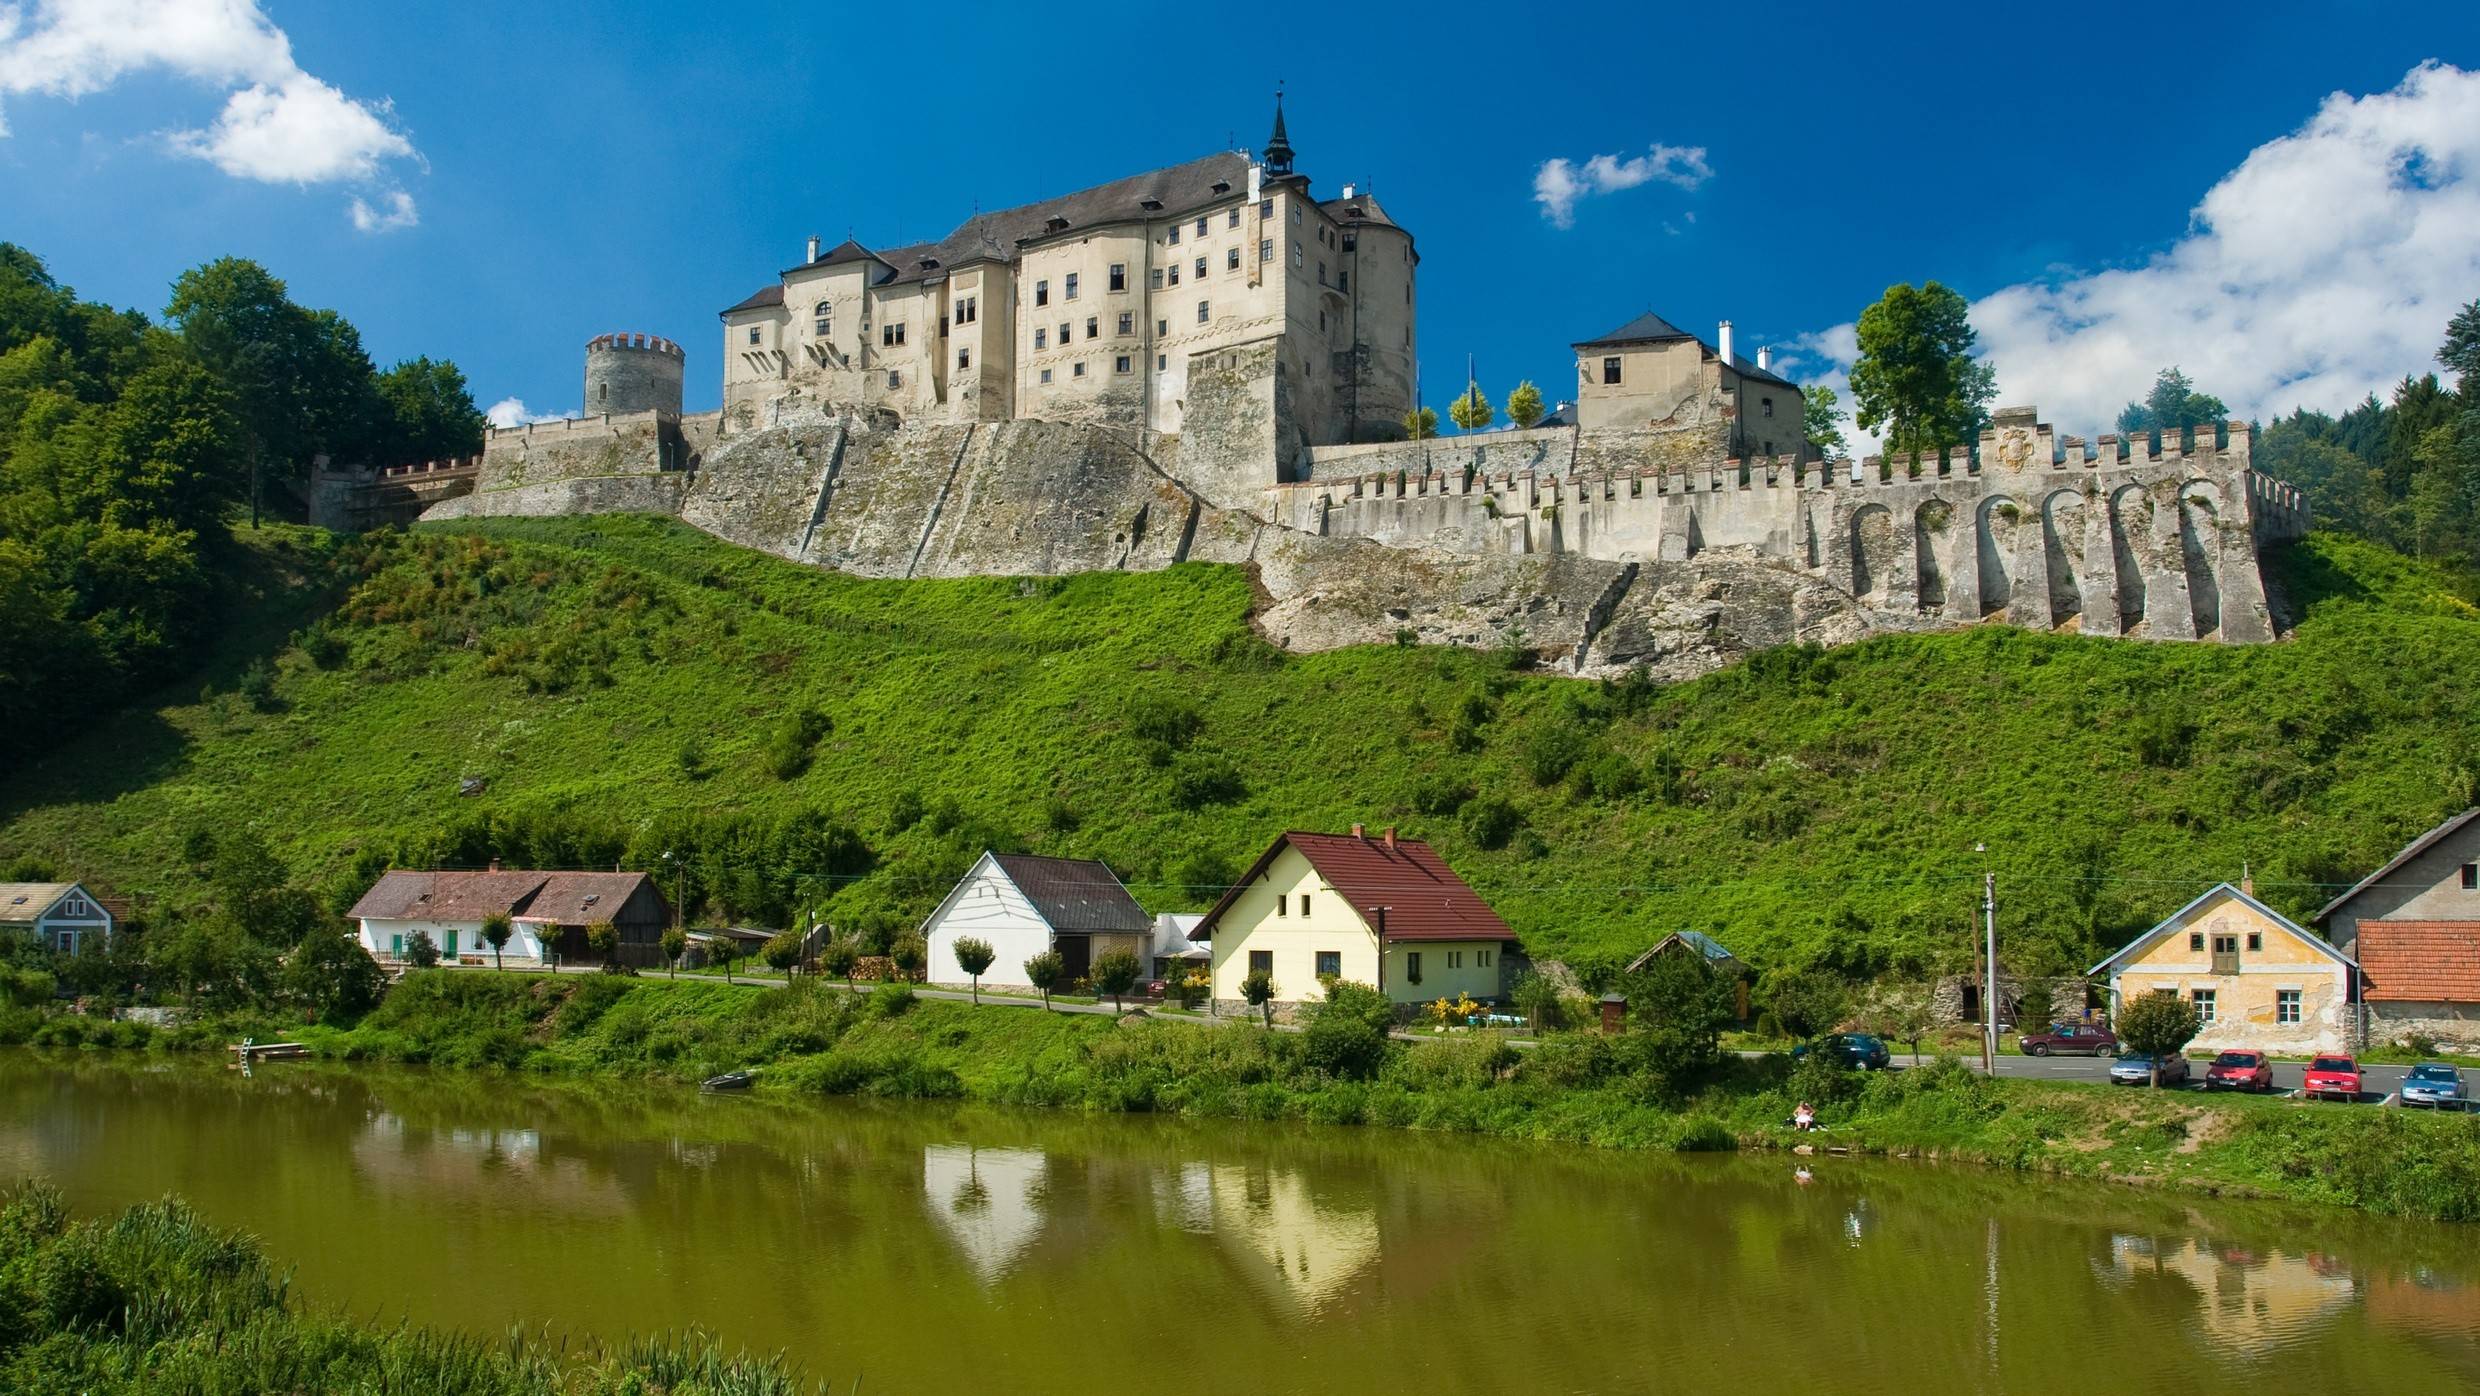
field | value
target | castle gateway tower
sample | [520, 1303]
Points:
[632, 373]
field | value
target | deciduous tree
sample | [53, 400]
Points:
[1524, 405]
[1115, 974]
[1259, 990]
[2174, 405]
[2156, 1025]
[973, 955]
[497, 928]
[1916, 377]
[675, 944]
[1821, 415]
[1471, 411]
[1043, 972]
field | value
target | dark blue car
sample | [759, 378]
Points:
[1858, 1049]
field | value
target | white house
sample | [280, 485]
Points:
[61, 916]
[549, 911]
[1173, 949]
[1023, 905]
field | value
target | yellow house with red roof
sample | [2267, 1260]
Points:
[1384, 911]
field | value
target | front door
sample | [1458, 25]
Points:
[1076, 958]
[448, 950]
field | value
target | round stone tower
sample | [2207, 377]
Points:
[632, 373]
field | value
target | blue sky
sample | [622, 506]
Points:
[2280, 198]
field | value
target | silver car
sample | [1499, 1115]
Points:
[2434, 1084]
[2136, 1069]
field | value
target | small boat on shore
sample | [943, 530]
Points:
[728, 1081]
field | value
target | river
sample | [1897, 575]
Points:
[935, 1249]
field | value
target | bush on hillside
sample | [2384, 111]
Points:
[1345, 1034]
[1199, 779]
[1491, 821]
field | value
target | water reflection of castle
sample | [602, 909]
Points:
[1296, 1246]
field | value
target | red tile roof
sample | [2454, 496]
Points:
[1423, 897]
[2420, 961]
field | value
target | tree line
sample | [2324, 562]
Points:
[129, 447]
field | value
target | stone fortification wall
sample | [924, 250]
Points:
[1548, 451]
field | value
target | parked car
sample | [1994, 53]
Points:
[2136, 1069]
[2239, 1071]
[2334, 1078]
[2434, 1084]
[1860, 1049]
[2069, 1039]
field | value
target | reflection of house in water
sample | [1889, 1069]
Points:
[2249, 1299]
[498, 1165]
[989, 1201]
[1288, 1242]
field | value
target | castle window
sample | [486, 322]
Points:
[602, 392]
[1769, 405]
[1162, 363]
[1201, 269]
[1077, 369]
[1321, 322]
[1127, 322]
[1046, 375]
[1352, 243]
[1119, 276]
[1174, 269]
[1120, 365]
[1321, 273]
[1157, 278]
[894, 379]
[1297, 260]
[1042, 293]
[1071, 286]
[891, 334]
[825, 315]
[1202, 227]
[1265, 249]
[1161, 328]
[1231, 259]
[1234, 220]
[968, 310]
[1610, 369]
[1066, 333]
[753, 334]
[964, 358]
[1295, 215]
[1093, 327]
[1173, 237]
[942, 327]
[1343, 280]
[1204, 311]
[1265, 208]
[1041, 339]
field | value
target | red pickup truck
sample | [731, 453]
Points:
[2332, 1078]
[2069, 1039]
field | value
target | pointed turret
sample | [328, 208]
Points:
[1278, 152]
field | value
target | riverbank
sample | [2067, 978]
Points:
[1582, 1090]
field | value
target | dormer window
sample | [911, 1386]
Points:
[1150, 205]
[1222, 186]
[1055, 223]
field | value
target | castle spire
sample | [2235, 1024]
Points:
[1279, 145]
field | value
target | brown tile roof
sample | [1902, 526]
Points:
[2420, 961]
[562, 898]
[1075, 895]
[1423, 897]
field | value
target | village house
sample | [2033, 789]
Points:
[549, 911]
[60, 916]
[1174, 953]
[2258, 979]
[1710, 952]
[2414, 927]
[1384, 911]
[1024, 905]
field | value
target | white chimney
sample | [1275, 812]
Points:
[1726, 343]
[1765, 356]
[1347, 190]
[813, 249]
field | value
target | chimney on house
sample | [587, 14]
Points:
[1765, 356]
[1358, 832]
[2247, 880]
[1726, 344]
[495, 865]
[1347, 190]
[1390, 838]
[813, 250]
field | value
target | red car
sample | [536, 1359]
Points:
[2335, 1078]
[2239, 1071]
[2064, 1039]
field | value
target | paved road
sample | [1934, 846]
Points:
[2377, 1081]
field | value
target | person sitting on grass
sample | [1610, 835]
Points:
[1803, 1117]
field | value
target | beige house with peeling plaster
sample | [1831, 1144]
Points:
[2258, 979]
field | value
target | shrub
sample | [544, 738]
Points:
[1440, 796]
[909, 954]
[603, 938]
[1199, 780]
[1166, 721]
[783, 953]
[497, 928]
[793, 741]
[973, 956]
[1345, 1034]
[26, 987]
[1115, 974]
[1044, 971]
[1806, 1004]
[1259, 991]
[675, 944]
[421, 951]
[2418, 1044]
[1553, 750]
[1491, 821]
[838, 957]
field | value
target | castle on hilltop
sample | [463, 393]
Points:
[1211, 362]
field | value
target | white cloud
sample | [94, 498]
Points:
[511, 412]
[394, 210]
[2320, 270]
[279, 124]
[1559, 183]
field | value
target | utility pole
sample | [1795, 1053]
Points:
[1989, 966]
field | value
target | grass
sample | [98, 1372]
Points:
[1572, 1089]
[621, 686]
[154, 1299]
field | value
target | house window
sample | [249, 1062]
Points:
[825, 317]
[1261, 962]
[1610, 369]
[2225, 954]
[1174, 238]
[1205, 311]
[753, 334]
[1071, 285]
[2256, 940]
[1455, 959]
[2204, 999]
[1174, 270]
[1481, 958]
[1232, 220]
[1330, 964]
[1304, 903]
[2195, 940]
[1077, 369]
[1282, 905]
[1769, 405]
[1231, 259]
[2471, 877]
[1093, 327]
[1046, 375]
[1127, 322]
[964, 358]
[1203, 226]
[1265, 249]
[1041, 339]
[1042, 293]
[1119, 276]
[2286, 1006]
[1412, 966]
[1120, 365]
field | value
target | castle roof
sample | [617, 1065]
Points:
[1001, 235]
[1360, 208]
[1647, 328]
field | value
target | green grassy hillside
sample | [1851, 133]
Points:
[620, 687]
